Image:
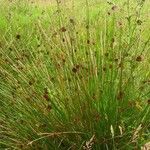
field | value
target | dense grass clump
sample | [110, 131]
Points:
[74, 75]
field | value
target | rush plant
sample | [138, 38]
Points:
[74, 75]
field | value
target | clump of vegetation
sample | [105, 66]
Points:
[74, 75]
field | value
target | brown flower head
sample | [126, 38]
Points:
[74, 69]
[139, 58]
[63, 29]
[114, 7]
[139, 22]
[72, 21]
[120, 95]
[18, 36]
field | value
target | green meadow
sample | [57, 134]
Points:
[74, 74]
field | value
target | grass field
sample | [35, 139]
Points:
[74, 75]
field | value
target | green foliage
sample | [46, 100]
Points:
[74, 75]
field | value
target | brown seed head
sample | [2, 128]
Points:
[114, 7]
[139, 22]
[120, 24]
[72, 21]
[139, 58]
[88, 41]
[109, 13]
[63, 29]
[104, 69]
[120, 95]
[18, 36]
[74, 69]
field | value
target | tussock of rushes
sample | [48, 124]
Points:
[69, 81]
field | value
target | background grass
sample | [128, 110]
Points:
[74, 75]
